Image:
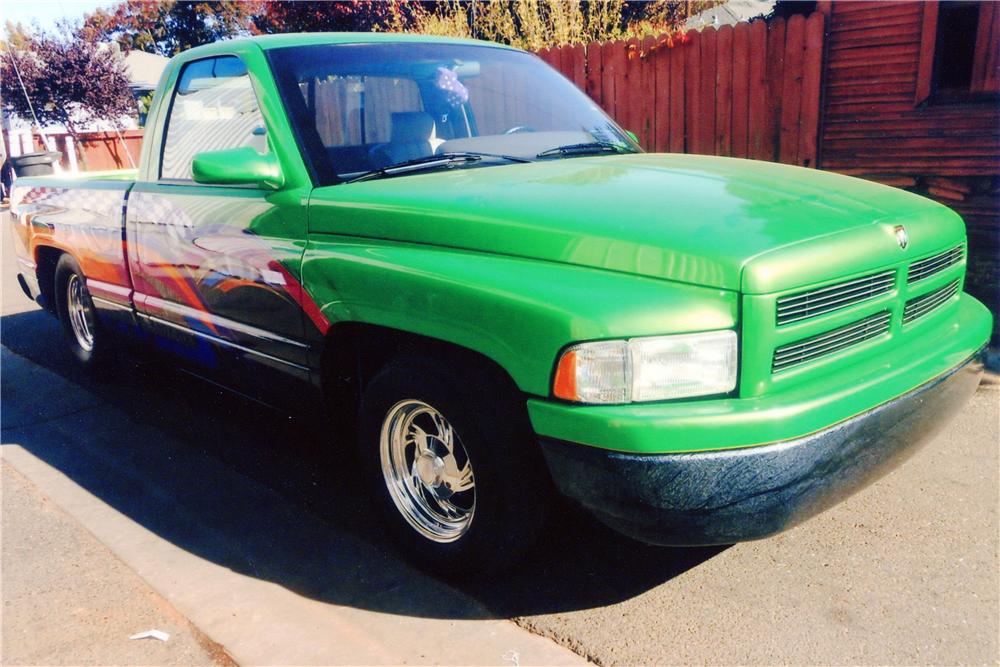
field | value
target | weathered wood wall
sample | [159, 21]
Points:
[751, 91]
[874, 127]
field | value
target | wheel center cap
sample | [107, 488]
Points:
[430, 468]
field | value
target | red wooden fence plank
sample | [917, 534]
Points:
[661, 62]
[692, 92]
[566, 61]
[676, 123]
[811, 68]
[757, 111]
[576, 59]
[595, 73]
[628, 95]
[741, 88]
[724, 91]
[775, 78]
[647, 101]
[613, 57]
[556, 55]
[706, 122]
[791, 90]
[621, 87]
[550, 56]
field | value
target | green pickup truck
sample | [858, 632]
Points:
[501, 297]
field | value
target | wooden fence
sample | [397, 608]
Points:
[100, 150]
[752, 91]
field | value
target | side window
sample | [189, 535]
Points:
[214, 108]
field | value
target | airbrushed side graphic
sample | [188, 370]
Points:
[215, 261]
[87, 221]
[196, 264]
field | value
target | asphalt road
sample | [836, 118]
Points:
[905, 572]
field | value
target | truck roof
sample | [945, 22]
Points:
[267, 42]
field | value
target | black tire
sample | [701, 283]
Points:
[95, 358]
[512, 488]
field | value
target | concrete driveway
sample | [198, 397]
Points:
[905, 572]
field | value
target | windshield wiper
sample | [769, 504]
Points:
[431, 162]
[587, 148]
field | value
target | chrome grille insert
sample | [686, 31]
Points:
[924, 304]
[838, 339]
[924, 268]
[804, 305]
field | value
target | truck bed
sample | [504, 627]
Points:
[83, 213]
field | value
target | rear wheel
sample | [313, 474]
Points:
[88, 341]
[451, 462]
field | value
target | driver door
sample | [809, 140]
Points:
[215, 266]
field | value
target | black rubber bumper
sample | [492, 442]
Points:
[733, 495]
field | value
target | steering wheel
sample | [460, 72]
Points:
[520, 128]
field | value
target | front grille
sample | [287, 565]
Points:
[922, 305]
[804, 305]
[924, 268]
[832, 341]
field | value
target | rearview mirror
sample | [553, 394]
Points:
[238, 166]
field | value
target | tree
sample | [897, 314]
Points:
[279, 16]
[168, 27]
[69, 82]
[538, 24]
[528, 24]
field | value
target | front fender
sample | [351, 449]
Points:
[518, 312]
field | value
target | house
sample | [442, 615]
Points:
[911, 98]
[729, 13]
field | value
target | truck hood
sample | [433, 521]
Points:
[717, 222]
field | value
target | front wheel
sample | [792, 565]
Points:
[451, 462]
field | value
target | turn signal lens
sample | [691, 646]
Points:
[648, 369]
[594, 373]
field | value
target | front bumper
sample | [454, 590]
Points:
[726, 496]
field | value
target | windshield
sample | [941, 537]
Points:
[358, 108]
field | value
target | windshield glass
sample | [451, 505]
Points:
[363, 107]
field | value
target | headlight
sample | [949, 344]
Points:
[648, 369]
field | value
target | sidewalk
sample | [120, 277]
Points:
[269, 582]
[68, 600]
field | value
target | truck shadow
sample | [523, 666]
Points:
[269, 496]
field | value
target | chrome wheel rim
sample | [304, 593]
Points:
[427, 471]
[81, 318]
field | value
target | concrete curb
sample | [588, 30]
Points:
[258, 620]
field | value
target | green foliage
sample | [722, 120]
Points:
[538, 24]
[168, 27]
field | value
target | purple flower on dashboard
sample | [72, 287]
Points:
[455, 93]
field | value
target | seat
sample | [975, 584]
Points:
[413, 136]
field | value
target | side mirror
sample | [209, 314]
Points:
[238, 166]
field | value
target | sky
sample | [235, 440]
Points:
[46, 12]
